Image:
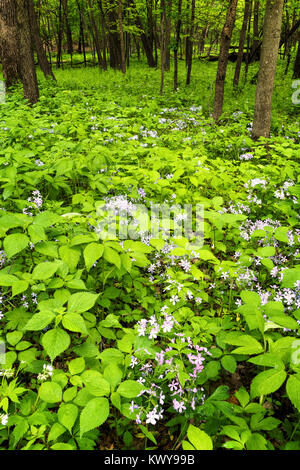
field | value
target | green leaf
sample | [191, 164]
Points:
[229, 363]
[293, 390]
[113, 375]
[249, 345]
[70, 256]
[129, 389]
[15, 243]
[112, 256]
[81, 302]
[199, 439]
[95, 383]
[94, 414]
[50, 392]
[45, 270]
[55, 342]
[40, 320]
[76, 366]
[19, 286]
[74, 322]
[267, 382]
[92, 253]
[67, 415]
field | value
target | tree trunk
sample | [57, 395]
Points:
[162, 44]
[177, 39]
[267, 69]
[59, 35]
[296, 73]
[189, 45]
[95, 34]
[36, 40]
[122, 42]
[168, 27]
[9, 49]
[223, 59]
[241, 44]
[27, 67]
[144, 38]
[68, 29]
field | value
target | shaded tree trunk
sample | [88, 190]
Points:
[177, 39]
[162, 44]
[122, 42]
[36, 40]
[241, 43]
[223, 58]
[189, 45]
[9, 50]
[27, 67]
[296, 73]
[68, 29]
[168, 34]
[267, 69]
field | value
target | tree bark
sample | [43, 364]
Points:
[122, 42]
[177, 39]
[9, 50]
[223, 58]
[241, 44]
[36, 40]
[296, 73]
[267, 69]
[27, 67]
[162, 44]
[189, 45]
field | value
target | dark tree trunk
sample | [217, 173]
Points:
[162, 44]
[168, 27]
[9, 49]
[122, 42]
[96, 39]
[36, 40]
[144, 38]
[68, 29]
[59, 36]
[241, 43]
[177, 39]
[267, 69]
[296, 73]
[223, 58]
[27, 67]
[189, 45]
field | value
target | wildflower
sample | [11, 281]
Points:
[3, 419]
[178, 406]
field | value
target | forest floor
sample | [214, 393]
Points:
[148, 343]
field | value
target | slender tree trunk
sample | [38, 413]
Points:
[27, 67]
[36, 40]
[122, 42]
[162, 44]
[168, 34]
[68, 29]
[177, 39]
[59, 35]
[241, 44]
[267, 69]
[189, 45]
[144, 38]
[256, 42]
[223, 58]
[296, 73]
[95, 34]
[9, 48]
[248, 42]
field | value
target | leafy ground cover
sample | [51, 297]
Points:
[130, 344]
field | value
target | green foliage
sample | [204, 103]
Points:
[107, 336]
